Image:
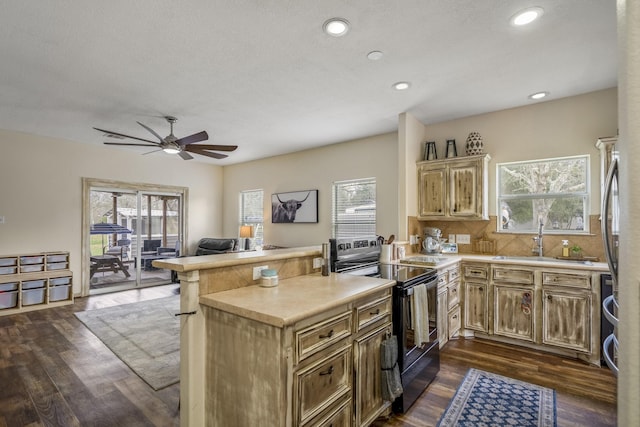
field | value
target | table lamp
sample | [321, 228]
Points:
[246, 232]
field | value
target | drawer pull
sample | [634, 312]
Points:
[455, 316]
[454, 290]
[329, 335]
[375, 313]
[328, 371]
[549, 297]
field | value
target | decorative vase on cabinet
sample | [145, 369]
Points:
[475, 145]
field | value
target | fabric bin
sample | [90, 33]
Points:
[57, 258]
[8, 270]
[39, 259]
[59, 293]
[8, 299]
[32, 284]
[7, 262]
[32, 296]
[6, 287]
[57, 266]
[31, 268]
[60, 281]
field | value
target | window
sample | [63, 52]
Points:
[251, 213]
[554, 191]
[354, 208]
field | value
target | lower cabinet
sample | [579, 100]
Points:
[443, 318]
[514, 310]
[449, 319]
[567, 319]
[476, 296]
[320, 371]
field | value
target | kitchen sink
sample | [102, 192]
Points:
[539, 258]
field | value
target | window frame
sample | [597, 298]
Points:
[258, 230]
[585, 195]
[364, 208]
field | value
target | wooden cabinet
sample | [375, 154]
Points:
[453, 189]
[567, 311]
[34, 281]
[320, 371]
[449, 320]
[514, 303]
[476, 296]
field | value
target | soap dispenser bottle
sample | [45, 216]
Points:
[565, 248]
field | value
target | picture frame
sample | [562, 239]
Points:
[294, 207]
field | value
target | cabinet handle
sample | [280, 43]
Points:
[481, 288]
[455, 316]
[375, 313]
[549, 297]
[454, 290]
[328, 371]
[329, 335]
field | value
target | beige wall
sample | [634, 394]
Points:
[311, 170]
[41, 191]
[563, 127]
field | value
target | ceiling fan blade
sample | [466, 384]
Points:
[151, 152]
[209, 154]
[185, 155]
[125, 136]
[153, 132]
[130, 144]
[216, 147]
[196, 137]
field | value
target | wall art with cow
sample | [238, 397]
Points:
[296, 206]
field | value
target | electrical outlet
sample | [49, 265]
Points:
[257, 270]
[317, 262]
[464, 239]
[452, 238]
[412, 239]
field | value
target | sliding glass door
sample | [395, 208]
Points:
[126, 227]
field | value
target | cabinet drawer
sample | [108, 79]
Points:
[321, 335]
[454, 273]
[442, 280]
[337, 416]
[476, 271]
[372, 312]
[454, 321]
[513, 275]
[453, 294]
[575, 280]
[321, 384]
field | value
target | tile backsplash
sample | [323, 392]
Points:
[511, 244]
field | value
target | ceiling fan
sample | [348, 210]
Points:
[172, 145]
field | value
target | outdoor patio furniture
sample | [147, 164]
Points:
[101, 263]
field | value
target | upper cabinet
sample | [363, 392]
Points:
[454, 188]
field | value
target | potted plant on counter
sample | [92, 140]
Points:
[576, 251]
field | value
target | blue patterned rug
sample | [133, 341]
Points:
[486, 399]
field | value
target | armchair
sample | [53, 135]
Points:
[166, 252]
[210, 246]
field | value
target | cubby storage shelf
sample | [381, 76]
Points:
[34, 281]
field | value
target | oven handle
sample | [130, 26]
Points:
[406, 292]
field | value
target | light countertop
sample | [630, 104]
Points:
[296, 298]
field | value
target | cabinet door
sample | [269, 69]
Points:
[368, 393]
[443, 333]
[463, 190]
[567, 319]
[431, 192]
[513, 312]
[475, 306]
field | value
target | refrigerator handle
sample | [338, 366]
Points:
[608, 251]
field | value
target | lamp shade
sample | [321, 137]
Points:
[246, 231]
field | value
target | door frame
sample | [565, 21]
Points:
[89, 183]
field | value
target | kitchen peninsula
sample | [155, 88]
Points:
[282, 355]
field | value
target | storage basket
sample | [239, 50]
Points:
[484, 246]
[57, 258]
[6, 262]
[11, 286]
[59, 293]
[39, 259]
[31, 268]
[60, 281]
[57, 266]
[32, 284]
[8, 299]
[8, 270]
[32, 296]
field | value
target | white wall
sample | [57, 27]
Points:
[41, 191]
[563, 127]
[311, 170]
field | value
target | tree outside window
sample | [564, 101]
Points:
[552, 191]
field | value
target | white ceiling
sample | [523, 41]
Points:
[261, 74]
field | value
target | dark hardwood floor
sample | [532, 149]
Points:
[54, 372]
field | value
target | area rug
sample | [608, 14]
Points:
[486, 399]
[144, 335]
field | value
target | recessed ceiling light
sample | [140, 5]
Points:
[401, 85]
[336, 27]
[526, 16]
[538, 95]
[375, 55]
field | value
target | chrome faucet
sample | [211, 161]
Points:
[538, 240]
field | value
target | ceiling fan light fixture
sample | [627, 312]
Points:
[336, 27]
[401, 86]
[171, 150]
[526, 16]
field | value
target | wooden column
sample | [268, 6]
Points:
[192, 339]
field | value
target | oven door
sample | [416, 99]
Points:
[405, 323]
